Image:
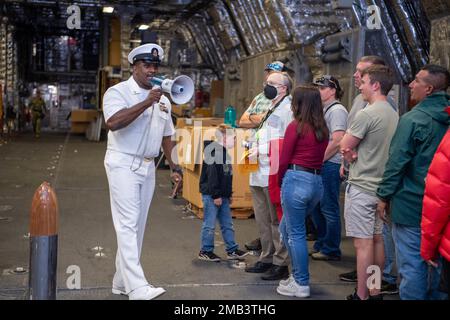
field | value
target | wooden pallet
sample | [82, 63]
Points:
[236, 213]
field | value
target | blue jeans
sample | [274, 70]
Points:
[327, 215]
[419, 281]
[300, 193]
[389, 273]
[223, 214]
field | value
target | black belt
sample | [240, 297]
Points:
[300, 168]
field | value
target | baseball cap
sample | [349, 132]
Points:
[275, 66]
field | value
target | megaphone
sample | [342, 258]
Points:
[181, 89]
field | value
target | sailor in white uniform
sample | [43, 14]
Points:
[139, 121]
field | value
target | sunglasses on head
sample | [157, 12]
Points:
[326, 79]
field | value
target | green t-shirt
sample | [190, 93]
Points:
[375, 125]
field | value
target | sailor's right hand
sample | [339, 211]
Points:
[154, 95]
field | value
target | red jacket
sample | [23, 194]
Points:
[436, 204]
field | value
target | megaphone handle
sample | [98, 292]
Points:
[155, 86]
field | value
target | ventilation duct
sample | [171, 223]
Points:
[279, 28]
[312, 20]
[243, 23]
[225, 28]
[416, 30]
[397, 49]
[207, 41]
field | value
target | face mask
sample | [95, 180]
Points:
[270, 92]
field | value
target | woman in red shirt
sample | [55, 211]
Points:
[305, 141]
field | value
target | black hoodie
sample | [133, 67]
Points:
[216, 178]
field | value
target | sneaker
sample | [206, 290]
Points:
[208, 256]
[388, 288]
[324, 257]
[376, 297]
[293, 289]
[148, 292]
[349, 276]
[285, 282]
[237, 255]
[353, 296]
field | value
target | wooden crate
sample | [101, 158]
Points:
[237, 213]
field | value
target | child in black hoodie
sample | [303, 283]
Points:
[216, 182]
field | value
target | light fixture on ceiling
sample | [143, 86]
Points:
[143, 27]
[108, 9]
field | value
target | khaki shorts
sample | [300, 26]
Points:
[361, 220]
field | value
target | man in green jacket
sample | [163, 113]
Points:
[418, 135]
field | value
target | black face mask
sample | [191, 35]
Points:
[270, 92]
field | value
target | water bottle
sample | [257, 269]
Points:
[230, 116]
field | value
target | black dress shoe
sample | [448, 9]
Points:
[254, 245]
[276, 273]
[259, 267]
